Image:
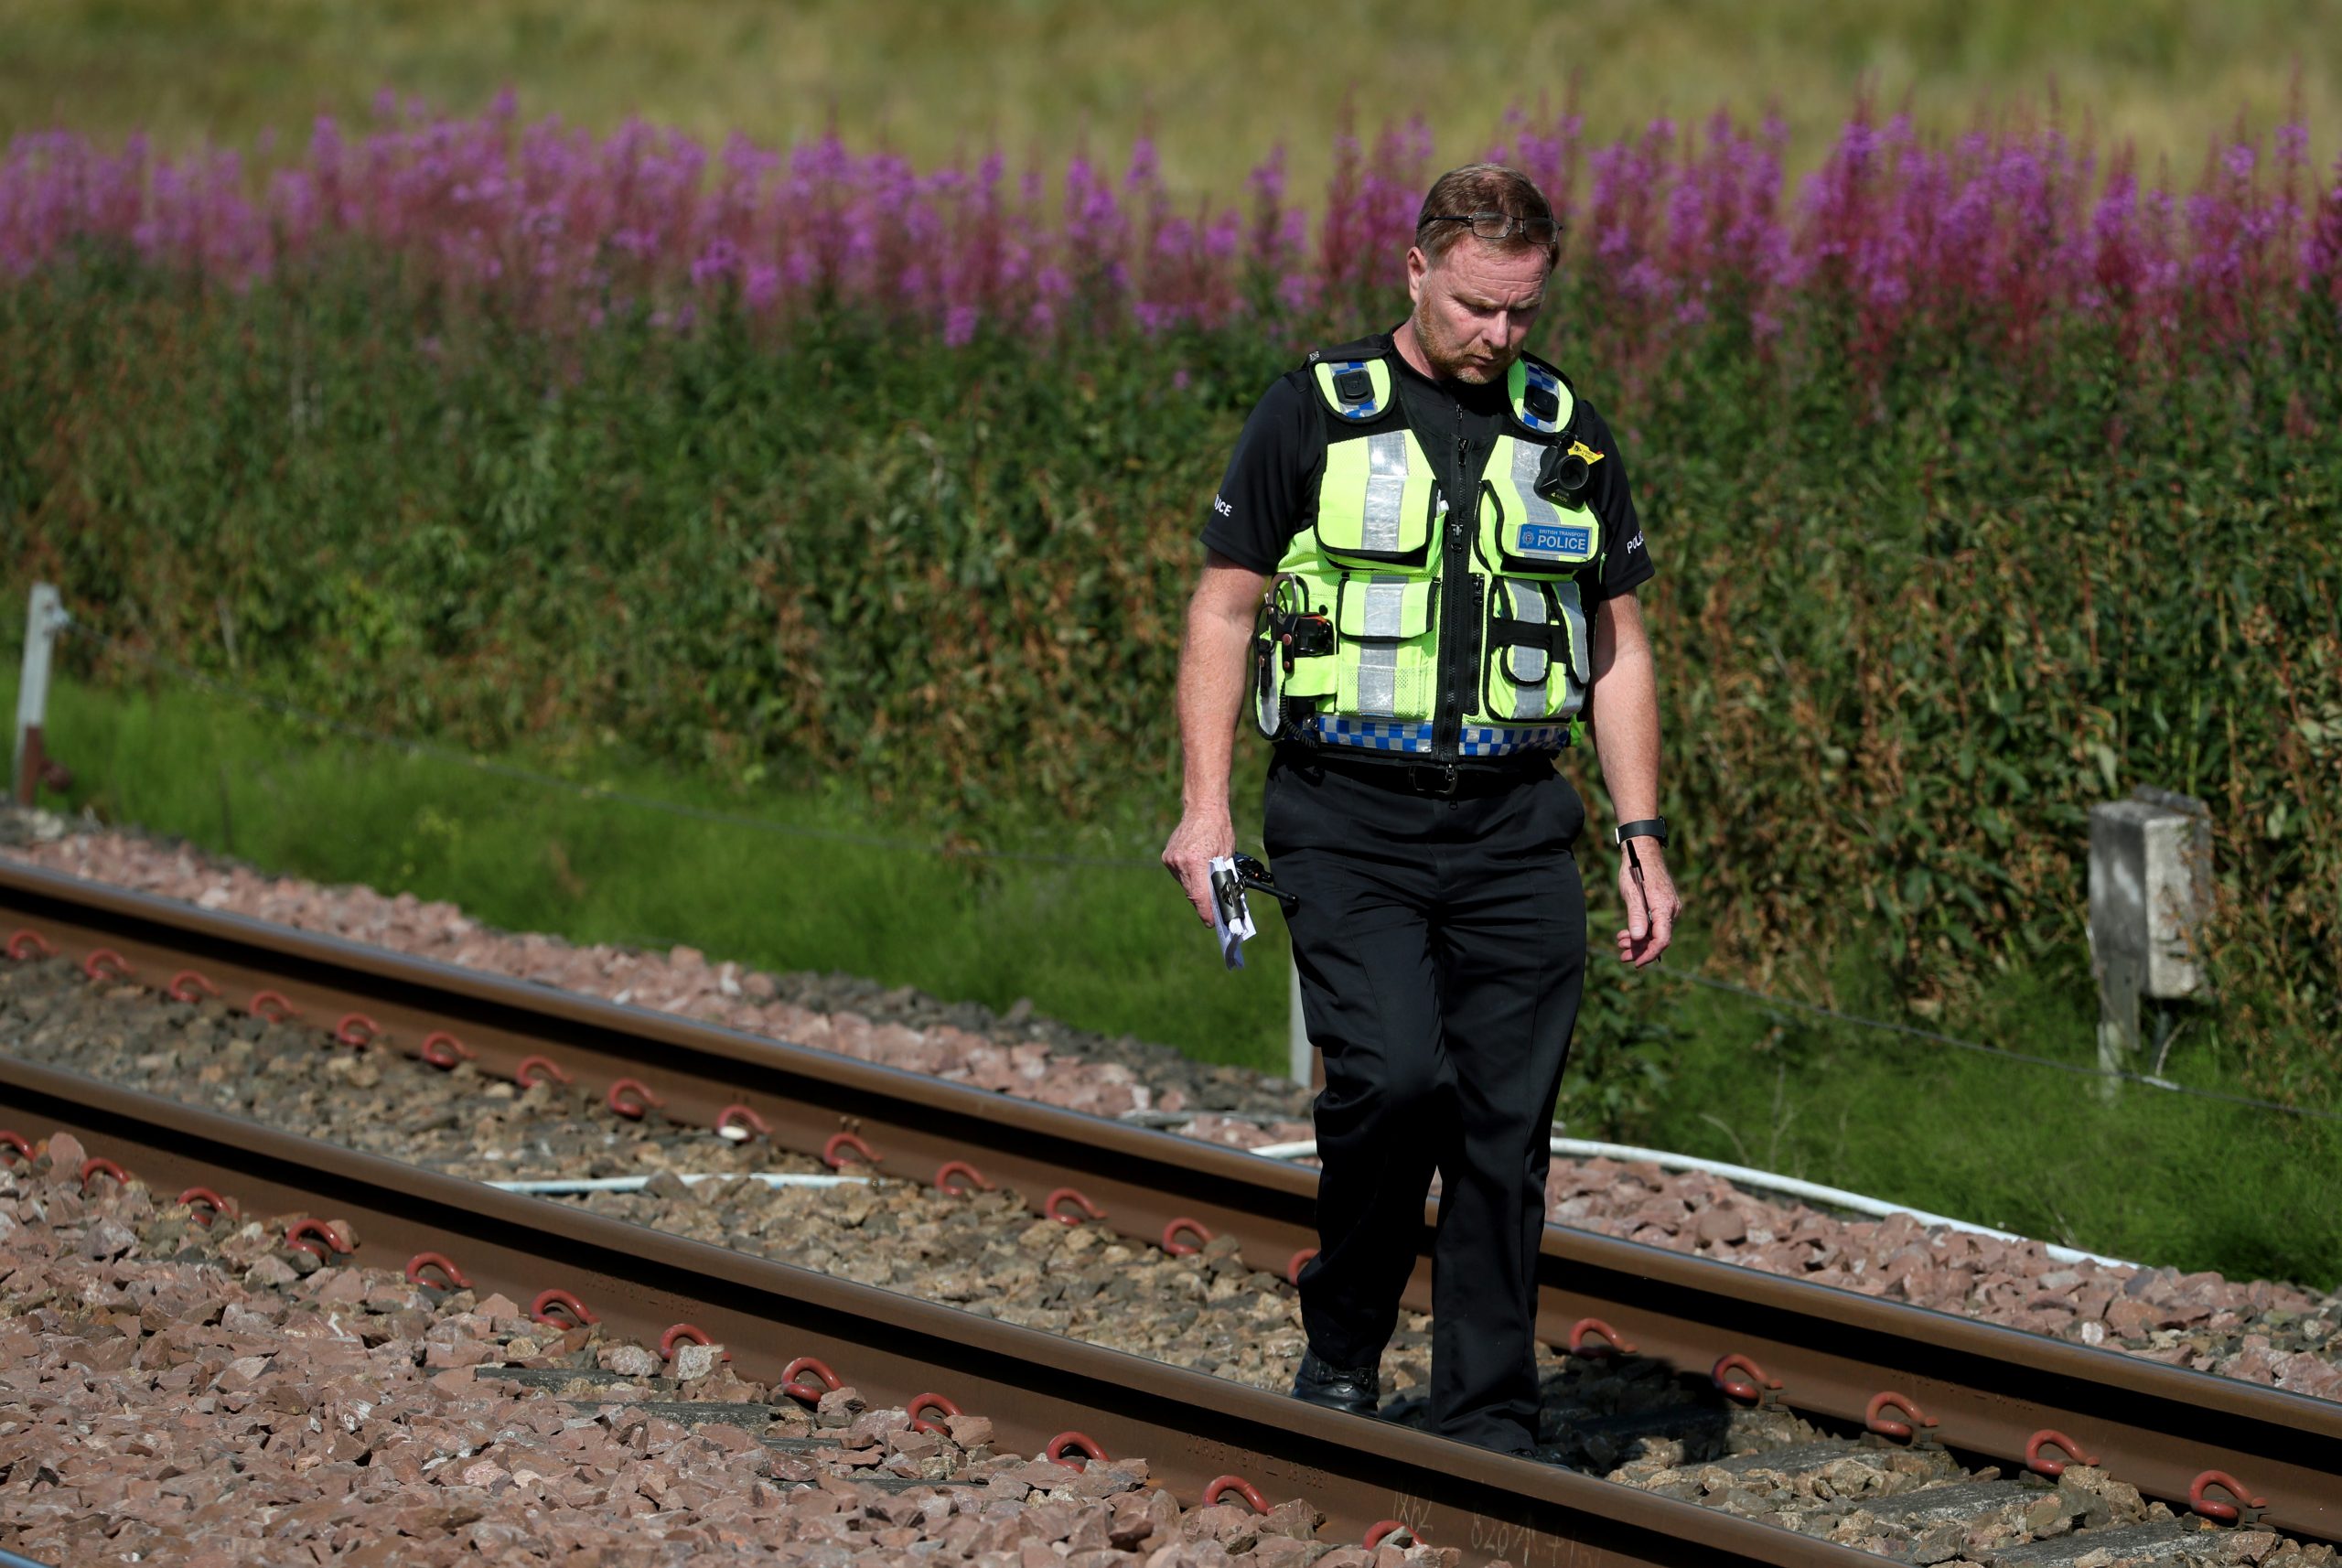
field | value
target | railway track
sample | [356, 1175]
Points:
[1042, 1393]
[1844, 1360]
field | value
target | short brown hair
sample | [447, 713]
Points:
[1481, 187]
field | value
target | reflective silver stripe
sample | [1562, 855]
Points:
[1386, 481]
[1527, 666]
[1575, 655]
[1526, 461]
[1386, 604]
[1378, 679]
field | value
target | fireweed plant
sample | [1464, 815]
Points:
[1990, 478]
[2010, 229]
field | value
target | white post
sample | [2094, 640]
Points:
[43, 620]
[2150, 898]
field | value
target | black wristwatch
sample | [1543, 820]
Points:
[1649, 828]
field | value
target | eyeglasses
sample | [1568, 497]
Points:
[1501, 226]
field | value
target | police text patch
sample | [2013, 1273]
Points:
[1551, 539]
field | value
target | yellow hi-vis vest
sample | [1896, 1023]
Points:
[1404, 621]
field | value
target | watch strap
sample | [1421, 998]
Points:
[1649, 828]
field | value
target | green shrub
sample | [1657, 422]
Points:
[1913, 616]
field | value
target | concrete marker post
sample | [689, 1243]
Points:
[44, 618]
[2150, 898]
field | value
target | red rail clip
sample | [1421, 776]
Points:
[692, 1332]
[442, 1050]
[1616, 1343]
[862, 1151]
[541, 1310]
[1066, 1194]
[1057, 1446]
[188, 986]
[2213, 1508]
[305, 1235]
[1875, 1415]
[524, 1075]
[26, 944]
[1292, 1266]
[929, 1401]
[203, 1203]
[99, 1165]
[950, 1171]
[356, 1029]
[741, 1115]
[1378, 1534]
[2041, 1464]
[11, 1139]
[831, 1382]
[1195, 1228]
[1241, 1486]
[1756, 1388]
[630, 1098]
[104, 963]
[275, 1007]
[422, 1261]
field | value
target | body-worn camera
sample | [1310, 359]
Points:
[1564, 475]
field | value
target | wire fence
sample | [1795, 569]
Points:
[412, 746]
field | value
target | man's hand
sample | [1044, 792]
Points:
[1651, 904]
[1199, 840]
[1214, 667]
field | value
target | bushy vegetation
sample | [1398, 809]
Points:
[1911, 629]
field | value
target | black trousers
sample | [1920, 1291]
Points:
[1442, 948]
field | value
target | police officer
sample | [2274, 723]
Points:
[1435, 535]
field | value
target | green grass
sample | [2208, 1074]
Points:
[1218, 85]
[2147, 1176]
[1112, 948]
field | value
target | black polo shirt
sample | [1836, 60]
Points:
[1278, 459]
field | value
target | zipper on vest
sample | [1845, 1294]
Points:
[1455, 572]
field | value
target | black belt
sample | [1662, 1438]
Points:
[1405, 775]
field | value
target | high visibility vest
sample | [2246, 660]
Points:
[1441, 629]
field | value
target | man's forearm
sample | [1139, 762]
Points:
[1211, 692]
[1623, 710]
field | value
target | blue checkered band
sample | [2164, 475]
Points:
[1538, 378]
[1504, 740]
[1373, 734]
[1476, 740]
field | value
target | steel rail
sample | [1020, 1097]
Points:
[1189, 1427]
[1981, 1388]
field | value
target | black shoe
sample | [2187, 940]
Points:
[1357, 1391]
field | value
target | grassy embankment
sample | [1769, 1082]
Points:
[1111, 947]
[2145, 1174]
[1218, 85]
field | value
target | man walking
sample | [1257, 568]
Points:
[1436, 537]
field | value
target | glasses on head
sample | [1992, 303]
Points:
[1501, 226]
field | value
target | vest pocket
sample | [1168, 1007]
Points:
[1374, 503]
[1524, 534]
[1536, 660]
[1386, 664]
